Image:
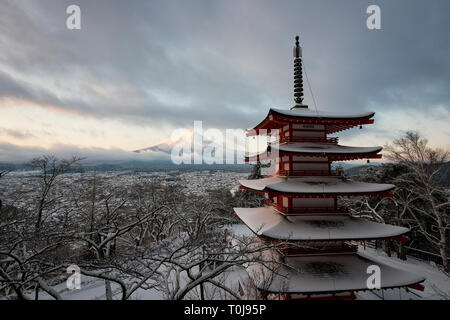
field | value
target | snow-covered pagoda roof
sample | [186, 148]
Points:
[315, 185]
[309, 113]
[319, 150]
[334, 122]
[316, 274]
[268, 222]
[309, 147]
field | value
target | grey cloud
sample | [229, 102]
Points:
[230, 60]
[18, 134]
[14, 153]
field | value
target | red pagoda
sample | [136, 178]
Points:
[302, 209]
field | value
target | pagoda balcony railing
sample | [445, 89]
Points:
[312, 172]
[305, 210]
[292, 251]
[283, 139]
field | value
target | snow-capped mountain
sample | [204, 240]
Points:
[164, 147]
[186, 139]
[168, 145]
[207, 148]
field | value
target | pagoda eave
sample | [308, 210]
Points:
[311, 274]
[271, 193]
[315, 186]
[297, 242]
[267, 222]
[332, 293]
[293, 194]
[331, 157]
[274, 121]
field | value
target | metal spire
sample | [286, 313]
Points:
[298, 75]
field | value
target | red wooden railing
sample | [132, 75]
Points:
[279, 207]
[308, 139]
[311, 172]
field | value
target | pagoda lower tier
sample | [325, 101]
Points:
[324, 276]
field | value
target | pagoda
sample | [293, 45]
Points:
[318, 238]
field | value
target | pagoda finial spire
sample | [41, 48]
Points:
[298, 76]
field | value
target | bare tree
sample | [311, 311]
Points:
[31, 237]
[421, 193]
[2, 174]
[50, 168]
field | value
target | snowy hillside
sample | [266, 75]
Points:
[437, 285]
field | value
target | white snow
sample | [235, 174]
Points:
[268, 222]
[315, 185]
[437, 283]
[94, 289]
[260, 184]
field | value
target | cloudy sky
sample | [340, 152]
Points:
[137, 70]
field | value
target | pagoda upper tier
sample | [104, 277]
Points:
[328, 122]
[333, 152]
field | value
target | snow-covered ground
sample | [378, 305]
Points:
[437, 285]
[94, 289]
